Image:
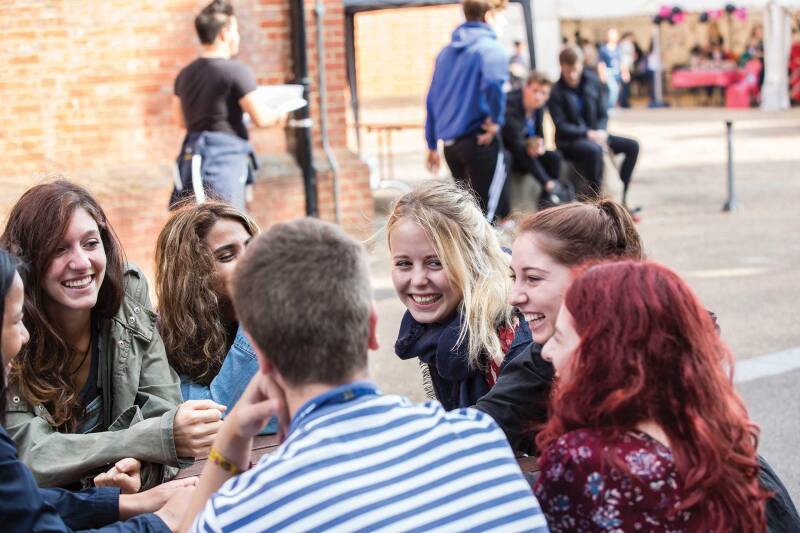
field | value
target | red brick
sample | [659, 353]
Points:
[101, 114]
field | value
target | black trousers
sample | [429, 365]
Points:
[546, 167]
[483, 169]
[587, 157]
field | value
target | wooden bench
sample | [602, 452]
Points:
[262, 445]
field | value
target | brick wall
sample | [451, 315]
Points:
[86, 90]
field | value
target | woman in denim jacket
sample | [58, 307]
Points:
[196, 254]
[93, 385]
[449, 271]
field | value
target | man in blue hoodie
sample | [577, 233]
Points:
[466, 107]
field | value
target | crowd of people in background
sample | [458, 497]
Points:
[570, 346]
[488, 111]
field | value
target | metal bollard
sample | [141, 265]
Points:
[731, 204]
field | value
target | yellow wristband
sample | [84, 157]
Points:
[214, 456]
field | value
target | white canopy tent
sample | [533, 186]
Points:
[777, 32]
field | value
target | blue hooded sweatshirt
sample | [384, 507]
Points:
[467, 84]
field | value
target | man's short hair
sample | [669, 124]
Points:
[212, 19]
[570, 56]
[302, 292]
[539, 78]
[476, 10]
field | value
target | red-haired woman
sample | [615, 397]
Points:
[646, 431]
[549, 245]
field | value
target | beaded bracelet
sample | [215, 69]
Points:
[214, 456]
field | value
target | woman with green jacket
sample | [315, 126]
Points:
[93, 385]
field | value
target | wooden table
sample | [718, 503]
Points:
[384, 131]
[264, 444]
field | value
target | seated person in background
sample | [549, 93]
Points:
[25, 507]
[196, 253]
[449, 271]
[647, 431]
[578, 108]
[353, 459]
[523, 136]
[93, 385]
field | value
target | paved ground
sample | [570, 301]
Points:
[744, 265]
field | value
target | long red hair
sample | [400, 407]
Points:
[649, 350]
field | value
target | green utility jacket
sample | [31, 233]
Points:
[140, 397]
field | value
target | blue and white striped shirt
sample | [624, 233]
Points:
[380, 463]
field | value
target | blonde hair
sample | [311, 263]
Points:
[471, 256]
[191, 323]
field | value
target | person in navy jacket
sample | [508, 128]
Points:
[466, 107]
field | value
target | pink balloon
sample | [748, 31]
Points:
[741, 13]
[677, 18]
[665, 12]
[715, 14]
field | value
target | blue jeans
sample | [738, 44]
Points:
[226, 388]
[227, 165]
[613, 84]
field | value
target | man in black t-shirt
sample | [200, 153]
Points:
[211, 95]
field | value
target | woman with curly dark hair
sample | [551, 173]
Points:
[646, 430]
[196, 254]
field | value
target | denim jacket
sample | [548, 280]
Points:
[238, 368]
[228, 163]
[24, 507]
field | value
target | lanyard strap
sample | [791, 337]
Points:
[339, 395]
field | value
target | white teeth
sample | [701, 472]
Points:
[78, 283]
[531, 317]
[424, 299]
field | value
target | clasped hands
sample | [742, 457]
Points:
[433, 161]
[599, 137]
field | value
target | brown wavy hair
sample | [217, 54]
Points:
[36, 225]
[649, 350]
[189, 308]
[576, 232]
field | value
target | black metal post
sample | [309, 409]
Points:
[731, 203]
[302, 121]
[527, 12]
[349, 36]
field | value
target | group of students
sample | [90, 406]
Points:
[603, 364]
[486, 131]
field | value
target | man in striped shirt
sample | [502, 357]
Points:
[352, 459]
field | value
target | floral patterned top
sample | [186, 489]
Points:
[590, 482]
